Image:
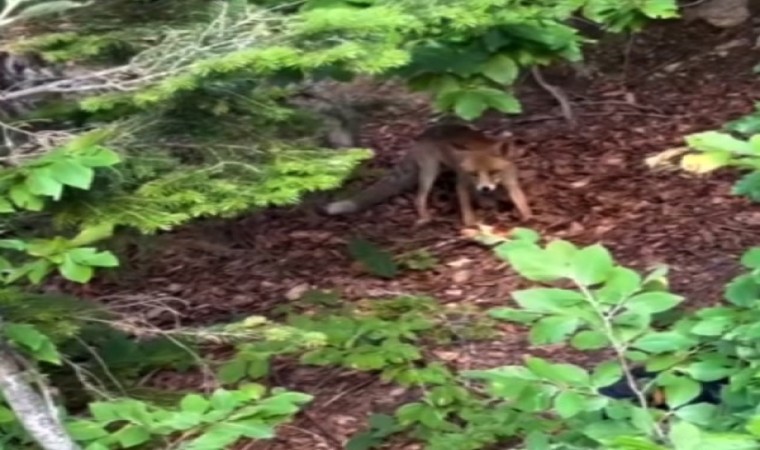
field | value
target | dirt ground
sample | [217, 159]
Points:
[586, 185]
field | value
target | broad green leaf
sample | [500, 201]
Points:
[547, 300]
[589, 340]
[250, 428]
[533, 263]
[606, 373]
[40, 182]
[92, 234]
[715, 141]
[743, 290]
[223, 399]
[713, 326]
[501, 69]
[6, 415]
[376, 260]
[75, 272]
[504, 102]
[89, 256]
[751, 258]
[591, 265]
[22, 198]
[6, 206]
[215, 438]
[525, 234]
[568, 404]
[680, 391]
[705, 162]
[233, 371]
[194, 403]
[564, 373]
[643, 421]
[363, 441]
[98, 157]
[514, 315]
[13, 244]
[700, 413]
[621, 284]
[132, 436]
[662, 342]
[653, 302]
[469, 105]
[38, 344]
[86, 430]
[709, 371]
[685, 436]
[552, 330]
[660, 9]
[71, 173]
[104, 412]
[536, 440]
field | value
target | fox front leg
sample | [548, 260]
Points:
[465, 203]
[511, 183]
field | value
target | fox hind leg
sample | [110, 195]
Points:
[429, 170]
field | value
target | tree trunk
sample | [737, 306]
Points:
[28, 405]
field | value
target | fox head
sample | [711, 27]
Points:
[483, 159]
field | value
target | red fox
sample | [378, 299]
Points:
[478, 160]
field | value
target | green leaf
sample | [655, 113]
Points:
[700, 414]
[362, 441]
[714, 141]
[751, 258]
[86, 430]
[89, 256]
[38, 344]
[653, 302]
[504, 102]
[13, 244]
[132, 436]
[553, 329]
[685, 436]
[606, 373]
[6, 415]
[564, 373]
[75, 272]
[377, 261]
[233, 371]
[621, 284]
[22, 198]
[251, 428]
[6, 206]
[223, 399]
[501, 69]
[589, 340]
[92, 234]
[547, 300]
[194, 403]
[591, 265]
[662, 342]
[98, 157]
[569, 404]
[71, 173]
[40, 182]
[469, 105]
[708, 371]
[513, 315]
[680, 391]
[743, 290]
[534, 263]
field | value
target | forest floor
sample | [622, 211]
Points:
[586, 185]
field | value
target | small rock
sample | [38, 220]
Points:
[297, 291]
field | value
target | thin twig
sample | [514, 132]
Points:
[557, 93]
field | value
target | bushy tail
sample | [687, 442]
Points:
[401, 178]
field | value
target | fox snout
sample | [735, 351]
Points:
[486, 188]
